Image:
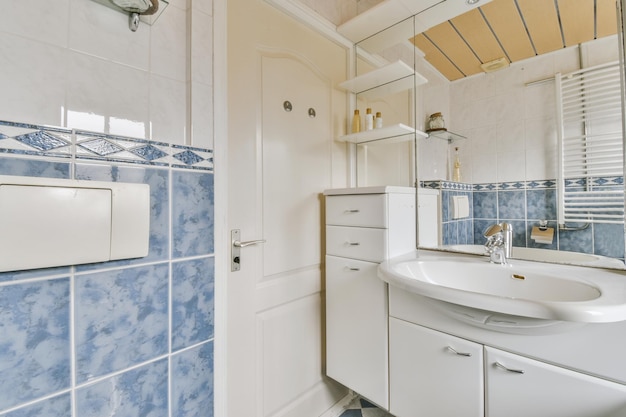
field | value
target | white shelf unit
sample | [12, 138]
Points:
[390, 79]
[390, 134]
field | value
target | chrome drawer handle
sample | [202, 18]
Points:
[451, 349]
[516, 371]
[353, 243]
[352, 211]
[354, 269]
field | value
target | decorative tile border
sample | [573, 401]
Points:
[27, 139]
[34, 140]
[516, 185]
[446, 185]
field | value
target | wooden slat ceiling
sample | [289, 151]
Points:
[514, 30]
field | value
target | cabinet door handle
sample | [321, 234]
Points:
[352, 211]
[353, 243]
[515, 371]
[453, 350]
[353, 269]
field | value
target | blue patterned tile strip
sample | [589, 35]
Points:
[446, 185]
[28, 139]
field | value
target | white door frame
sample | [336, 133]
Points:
[222, 239]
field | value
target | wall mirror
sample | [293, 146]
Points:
[497, 93]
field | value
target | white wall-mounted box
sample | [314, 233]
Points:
[46, 222]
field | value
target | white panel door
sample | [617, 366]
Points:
[280, 161]
[533, 388]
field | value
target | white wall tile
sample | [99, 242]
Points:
[168, 44]
[600, 51]
[168, 110]
[101, 88]
[103, 32]
[33, 80]
[538, 68]
[540, 133]
[509, 79]
[484, 167]
[482, 86]
[541, 164]
[201, 48]
[539, 100]
[202, 115]
[568, 60]
[181, 4]
[204, 6]
[509, 106]
[45, 21]
[102, 76]
[510, 136]
[482, 140]
[432, 156]
[511, 166]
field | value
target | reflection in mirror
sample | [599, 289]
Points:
[508, 164]
[390, 160]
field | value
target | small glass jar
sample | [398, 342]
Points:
[436, 122]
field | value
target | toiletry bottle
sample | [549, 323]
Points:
[369, 119]
[356, 122]
[378, 121]
[456, 172]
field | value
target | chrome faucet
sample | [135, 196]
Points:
[499, 242]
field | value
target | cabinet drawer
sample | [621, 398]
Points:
[357, 242]
[368, 210]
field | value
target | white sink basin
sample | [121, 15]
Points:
[511, 282]
[531, 292]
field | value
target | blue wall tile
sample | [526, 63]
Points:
[511, 205]
[192, 382]
[35, 342]
[59, 406]
[479, 229]
[192, 302]
[138, 392]
[576, 241]
[541, 204]
[158, 179]
[34, 168]
[121, 319]
[192, 213]
[609, 240]
[485, 205]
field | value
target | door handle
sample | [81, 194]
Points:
[239, 244]
[235, 252]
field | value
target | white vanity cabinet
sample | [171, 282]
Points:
[433, 373]
[520, 387]
[364, 226]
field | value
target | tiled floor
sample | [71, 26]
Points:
[360, 407]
